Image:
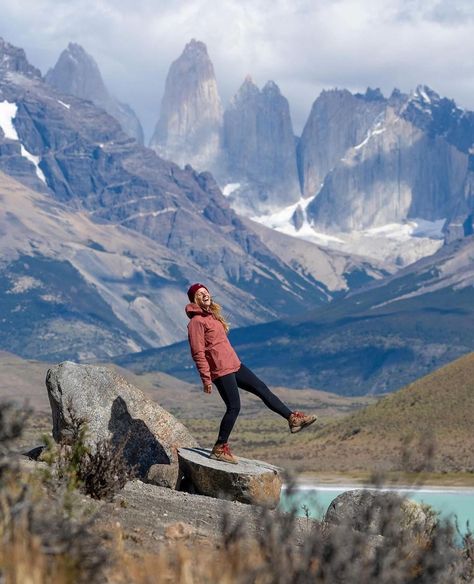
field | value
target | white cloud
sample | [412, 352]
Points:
[303, 45]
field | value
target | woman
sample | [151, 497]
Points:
[217, 362]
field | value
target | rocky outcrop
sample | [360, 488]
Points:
[13, 60]
[249, 481]
[77, 73]
[116, 410]
[410, 164]
[260, 148]
[189, 127]
[338, 121]
[377, 513]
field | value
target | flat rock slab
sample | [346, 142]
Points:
[250, 481]
[116, 410]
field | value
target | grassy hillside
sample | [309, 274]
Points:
[426, 425]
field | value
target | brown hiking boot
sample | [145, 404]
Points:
[297, 421]
[222, 452]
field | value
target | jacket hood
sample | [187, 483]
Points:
[193, 309]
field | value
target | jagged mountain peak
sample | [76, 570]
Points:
[77, 73]
[195, 48]
[271, 88]
[425, 94]
[372, 94]
[77, 49]
[440, 116]
[332, 92]
[14, 59]
[248, 89]
[188, 129]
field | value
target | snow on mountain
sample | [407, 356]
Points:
[7, 115]
[396, 244]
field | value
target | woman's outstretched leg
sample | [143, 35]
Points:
[247, 380]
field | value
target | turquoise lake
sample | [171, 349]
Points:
[448, 502]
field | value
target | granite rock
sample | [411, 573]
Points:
[116, 410]
[249, 481]
[376, 512]
[260, 152]
[189, 127]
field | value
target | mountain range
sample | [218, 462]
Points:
[100, 236]
[88, 213]
[363, 161]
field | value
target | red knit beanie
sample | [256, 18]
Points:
[193, 289]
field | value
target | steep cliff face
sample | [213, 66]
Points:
[190, 122]
[77, 73]
[412, 162]
[338, 121]
[260, 148]
[13, 60]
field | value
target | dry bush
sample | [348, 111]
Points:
[99, 472]
[279, 548]
[41, 542]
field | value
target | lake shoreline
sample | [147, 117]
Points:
[403, 481]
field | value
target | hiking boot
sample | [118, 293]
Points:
[222, 452]
[297, 421]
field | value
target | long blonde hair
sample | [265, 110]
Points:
[216, 310]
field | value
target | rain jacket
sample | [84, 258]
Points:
[210, 347]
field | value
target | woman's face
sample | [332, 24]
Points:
[202, 298]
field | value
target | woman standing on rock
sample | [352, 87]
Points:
[217, 362]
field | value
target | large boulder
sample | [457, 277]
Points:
[116, 410]
[379, 512]
[249, 481]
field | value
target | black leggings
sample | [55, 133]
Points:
[228, 387]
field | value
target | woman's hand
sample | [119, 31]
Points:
[208, 388]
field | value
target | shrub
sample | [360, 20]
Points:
[99, 472]
[39, 542]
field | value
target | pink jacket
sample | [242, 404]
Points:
[210, 347]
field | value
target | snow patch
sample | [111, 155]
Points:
[230, 188]
[133, 346]
[35, 160]
[23, 284]
[7, 115]
[408, 229]
[148, 214]
[281, 220]
[66, 105]
[53, 298]
[378, 129]
[398, 244]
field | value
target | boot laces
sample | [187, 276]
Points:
[298, 415]
[226, 449]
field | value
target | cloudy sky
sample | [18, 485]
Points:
[303, 45]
